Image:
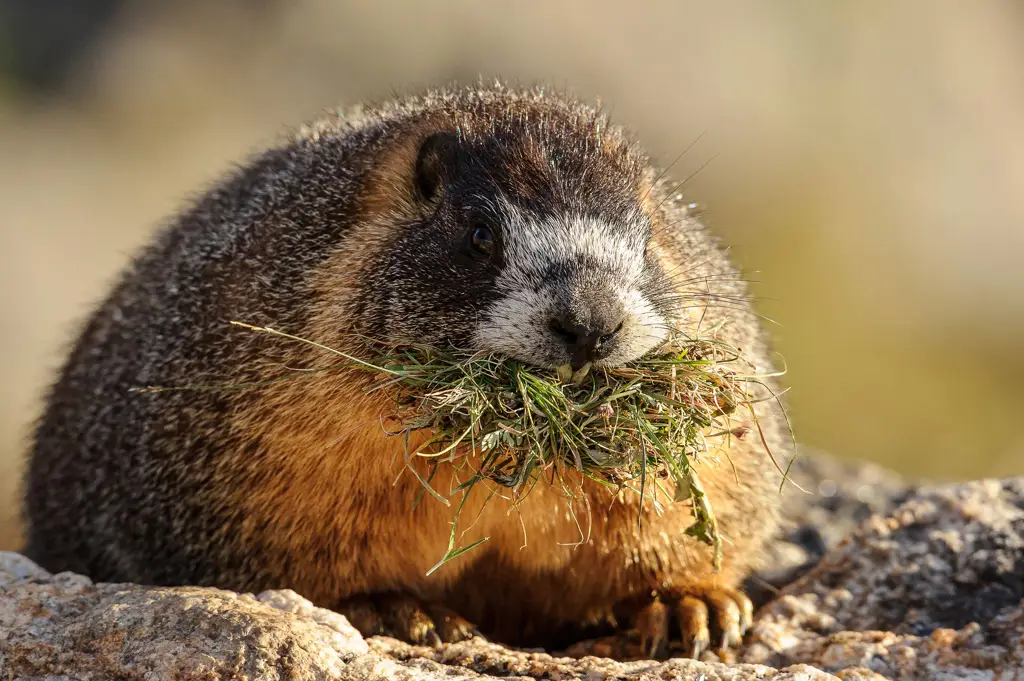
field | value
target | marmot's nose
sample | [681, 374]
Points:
[586, 341]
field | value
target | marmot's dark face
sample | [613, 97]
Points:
[533, 245]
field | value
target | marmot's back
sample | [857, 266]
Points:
[492, 219]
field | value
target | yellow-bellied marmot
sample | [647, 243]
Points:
[515, 221]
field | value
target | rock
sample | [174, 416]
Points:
[932, 591]
[926, 585]
[64, 626]
[498, 661]
[839, 496]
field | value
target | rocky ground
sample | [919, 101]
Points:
[872, 579]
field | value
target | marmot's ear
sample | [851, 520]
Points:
[435, 163]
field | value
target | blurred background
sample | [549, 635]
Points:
[867, 164]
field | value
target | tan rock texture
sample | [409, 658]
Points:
[65, 627]
[928, 586]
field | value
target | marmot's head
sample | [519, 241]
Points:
[524, 232]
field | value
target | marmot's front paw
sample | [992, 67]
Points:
[407, 618]
[697, 614]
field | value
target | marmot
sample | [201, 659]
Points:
[493, 218]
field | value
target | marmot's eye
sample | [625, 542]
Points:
[481, 238]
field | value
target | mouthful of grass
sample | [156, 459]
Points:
[628, 427]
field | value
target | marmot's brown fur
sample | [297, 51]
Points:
[496, 219]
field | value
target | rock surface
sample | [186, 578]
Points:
[840, 496]
[927, 584]
[64, 626]
[932, 591]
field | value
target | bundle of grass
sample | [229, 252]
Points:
[629, 427]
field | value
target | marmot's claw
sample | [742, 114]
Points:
[450, 626]
[407, 618]
[693, 625]
[652, 625]
[746, 611]
[726, 613]
[429, 638]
